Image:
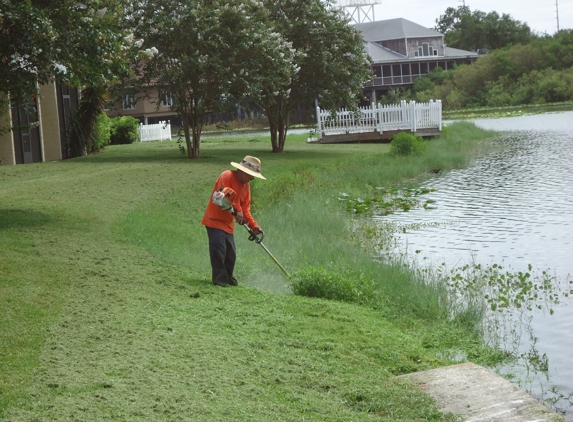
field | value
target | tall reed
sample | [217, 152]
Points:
[323, 245]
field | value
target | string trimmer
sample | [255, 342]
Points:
[223, 198]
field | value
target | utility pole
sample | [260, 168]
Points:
[464, 2]
[557, 12]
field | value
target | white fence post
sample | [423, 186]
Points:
[439, 112]
[413, 116]
[157, 132]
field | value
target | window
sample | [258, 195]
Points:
[397, 74]
[406, 73]
[426, 50]
[387, 70]
[108, 105]
[129, 102]
[167, 100]
[377, 71]
[387, 74]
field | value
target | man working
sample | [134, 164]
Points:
[219, 223]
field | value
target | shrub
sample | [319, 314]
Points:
[404, 144]
[342, 285]
[124, 130]
[102, 131]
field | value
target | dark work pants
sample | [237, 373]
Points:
[223, 256]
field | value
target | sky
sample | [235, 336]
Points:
[540, 15]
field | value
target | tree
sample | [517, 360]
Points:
[25, 50]
[558, 49]
[469, 30]
[80, 43]
[330, 62]
[210, 51]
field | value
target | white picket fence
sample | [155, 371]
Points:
[403, 116]
[158, 132]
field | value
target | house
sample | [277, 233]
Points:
[143, 108]
[38, 136]
[402, 51]
[149, 109]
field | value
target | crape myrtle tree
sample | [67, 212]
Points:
[330, 62]
[469, 30]
[25, 57]
[210, 51]
[98, 47]
[78, 43]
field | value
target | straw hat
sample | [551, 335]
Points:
[250, 165]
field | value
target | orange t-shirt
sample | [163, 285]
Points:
[216, 218]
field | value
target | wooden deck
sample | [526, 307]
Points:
[371, 137]
[379, 122]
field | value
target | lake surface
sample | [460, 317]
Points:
[245, 133]
[512, 207]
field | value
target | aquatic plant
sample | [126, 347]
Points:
[498, 112]
[388, 201]
[503, 289]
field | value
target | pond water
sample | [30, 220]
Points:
[512, 207]
[250, 133]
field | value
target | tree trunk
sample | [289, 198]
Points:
[185, 120]
[197, 116]
[278, 116]
[283, 128]
[196, 140]
[273, 130]
[81, 140]
[192, 127]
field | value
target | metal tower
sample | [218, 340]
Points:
[359, 11]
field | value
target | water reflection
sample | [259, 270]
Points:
[513, 207]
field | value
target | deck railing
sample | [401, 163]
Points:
[158, 132]
[404, 116]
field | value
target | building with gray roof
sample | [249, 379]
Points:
[402, 51]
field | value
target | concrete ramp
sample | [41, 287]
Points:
[478, 394]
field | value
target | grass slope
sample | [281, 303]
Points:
[108, 312]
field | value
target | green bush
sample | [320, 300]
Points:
[343, 285]
[102, 131]
[404, 144]
[124, 130]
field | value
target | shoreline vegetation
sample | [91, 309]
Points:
[507, 111]
[108, 311]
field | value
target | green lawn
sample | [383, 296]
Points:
[108, 312]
